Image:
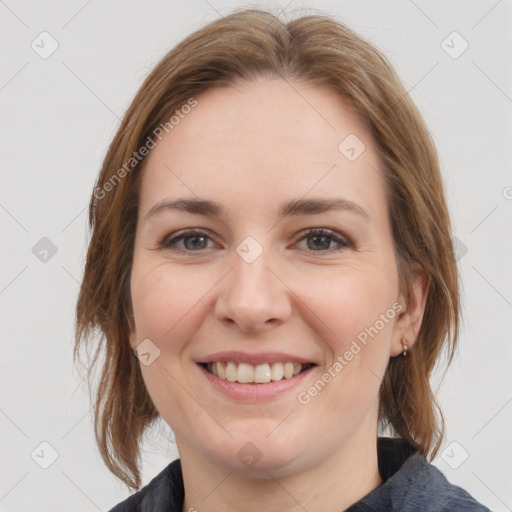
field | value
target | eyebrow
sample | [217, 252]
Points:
[290, 208]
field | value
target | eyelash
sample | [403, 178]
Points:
[169, 242]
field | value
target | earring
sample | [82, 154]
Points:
[404, 343]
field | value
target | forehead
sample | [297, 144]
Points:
[263, 139]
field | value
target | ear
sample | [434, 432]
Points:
[409, 320]
[133, 340]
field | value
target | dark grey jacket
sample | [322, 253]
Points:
[411, 484]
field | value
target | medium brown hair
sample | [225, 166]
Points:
[312, 49]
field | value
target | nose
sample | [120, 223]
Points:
[253, 298]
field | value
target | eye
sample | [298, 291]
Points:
[317, 240]
[322, 240]
[186, 241]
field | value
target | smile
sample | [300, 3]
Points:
[255, 374]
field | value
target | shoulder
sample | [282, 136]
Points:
[411, 483]
[430, 490]
[164, 492]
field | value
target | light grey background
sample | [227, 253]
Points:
[58, 116]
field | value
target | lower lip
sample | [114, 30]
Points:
[255, 392]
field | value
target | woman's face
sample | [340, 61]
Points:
[263, 247]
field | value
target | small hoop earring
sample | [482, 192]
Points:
[404, 343]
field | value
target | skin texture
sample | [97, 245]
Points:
[252, 147]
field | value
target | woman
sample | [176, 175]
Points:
[272, 272]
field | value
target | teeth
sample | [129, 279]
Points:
[288, 370]
[231, 373]
[260, 374]
[277, 371]
[245, 373]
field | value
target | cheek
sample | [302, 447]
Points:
[345, 306]
[164, 301]
[349, 299]
[354, 320]
[167, 308]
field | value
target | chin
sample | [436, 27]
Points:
[257, 452]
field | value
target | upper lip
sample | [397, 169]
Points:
[254, 359]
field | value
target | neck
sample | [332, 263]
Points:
[337, 482]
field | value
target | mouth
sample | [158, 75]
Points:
[265, 373]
